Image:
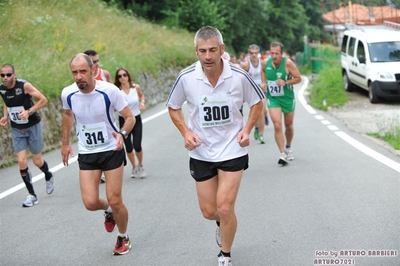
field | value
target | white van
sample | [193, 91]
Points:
[370, 58]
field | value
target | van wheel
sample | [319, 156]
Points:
[347, 84]
[372, 94]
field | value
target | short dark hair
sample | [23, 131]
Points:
[277, 44]
[9, 65]
[90, 52]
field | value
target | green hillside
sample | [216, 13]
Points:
[39, 37]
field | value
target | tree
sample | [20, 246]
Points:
[248, 24]
[314, 26]
[288, 22]
[208, 12]
[241, 22]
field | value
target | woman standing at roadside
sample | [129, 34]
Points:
[136, 102]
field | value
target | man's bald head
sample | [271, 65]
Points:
[82, 56]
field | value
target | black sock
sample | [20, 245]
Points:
[225, 254]
[45, 170]
[27, 178]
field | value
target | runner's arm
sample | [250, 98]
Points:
[263, 77]
[293, 71]
[129, 119]
[191, 139]
[41, 100]
[67, 122]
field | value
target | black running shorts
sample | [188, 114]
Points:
[202, 170]
[105, 161]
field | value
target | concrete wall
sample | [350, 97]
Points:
[156, 89]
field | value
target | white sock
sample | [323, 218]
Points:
[109, 210]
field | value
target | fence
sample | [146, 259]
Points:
[318, 56]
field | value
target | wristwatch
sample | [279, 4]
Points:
[123, 133]
[30, 112]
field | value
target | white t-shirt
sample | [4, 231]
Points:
[214, 112]
[94, 115]
[133, 100]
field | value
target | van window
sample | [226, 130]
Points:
[344, 43]
[352, 43]
[360, 50]
[384, 51]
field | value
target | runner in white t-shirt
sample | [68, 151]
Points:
[99, 74]
[216, 134]
[91, 104]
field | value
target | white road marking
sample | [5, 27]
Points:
[61, 165]
[356, 144]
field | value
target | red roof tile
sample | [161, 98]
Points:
[360, 14]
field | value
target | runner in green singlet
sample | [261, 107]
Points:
[279, 74]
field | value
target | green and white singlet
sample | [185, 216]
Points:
[279, 96]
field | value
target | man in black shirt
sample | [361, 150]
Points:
[26, 128]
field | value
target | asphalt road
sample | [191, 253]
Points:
[340, 194]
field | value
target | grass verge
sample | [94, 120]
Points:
[389, 130]
[327, 91]
[41, 43]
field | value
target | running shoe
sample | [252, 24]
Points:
[256, 133]
[261, 137]
[50, 185]
[289, 154]
[218, 236]
[224, 261]
[30, 201]
[123, 245]
[283, 160]
[142, 172]
[109, 222]
[102, 178]
[135, 172]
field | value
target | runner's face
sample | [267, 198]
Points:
[83, 74]
[276, 55]
[209, 53]
[96, 61]
[123, 77]
[8, 81]
[254, 54]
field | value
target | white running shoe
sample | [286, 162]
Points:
[135, 172]
[218, 236]
[102, 178]
[283, 160]
[30, 201]
[289, 154]
[142, 172]
[224, 261]
[50, 185]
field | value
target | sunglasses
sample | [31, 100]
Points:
[123, 75]
[8, 75]
[96, 61]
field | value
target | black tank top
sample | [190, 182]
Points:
[16, 97]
